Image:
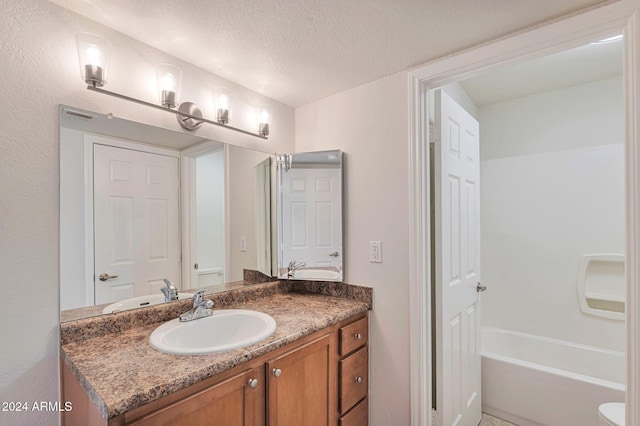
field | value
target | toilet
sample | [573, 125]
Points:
[612, 413]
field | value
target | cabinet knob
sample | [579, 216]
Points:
[253, 383]
[358, 336]
[277, 372]
[358, 379]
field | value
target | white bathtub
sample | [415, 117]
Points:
[531, 380]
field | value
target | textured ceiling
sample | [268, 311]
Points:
[297, 51]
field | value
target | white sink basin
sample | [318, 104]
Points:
[316, 274]
[226, 329]
[141, 302]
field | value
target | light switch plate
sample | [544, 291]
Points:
[243, 243]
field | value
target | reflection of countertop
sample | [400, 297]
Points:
[251, 277]
[93, 311]
[112, 358]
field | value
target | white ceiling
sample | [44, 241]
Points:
[595, 61]
[298, 51]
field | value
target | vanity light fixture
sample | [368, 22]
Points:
[93, 56]
[263, 115]
[222, 99]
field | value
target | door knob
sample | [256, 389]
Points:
[253, 383]
[104, 277]
[480, 288]
[334, 254]
[277, 372]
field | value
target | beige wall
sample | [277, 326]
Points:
[369, 123]
[40, 71]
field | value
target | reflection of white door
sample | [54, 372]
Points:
[311, 210]
[457, 264]
[135, 222]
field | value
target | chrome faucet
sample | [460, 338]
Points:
[293, 266]
[170, 291]
[201, 308]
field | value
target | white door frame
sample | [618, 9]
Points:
[188, 158]
[572, 32]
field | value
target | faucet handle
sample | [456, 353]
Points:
[169, 284]
[198, 297]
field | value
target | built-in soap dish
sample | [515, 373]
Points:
[602, 285]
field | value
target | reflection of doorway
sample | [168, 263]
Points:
[209, 218]
[204, 195]
[552, 192]
[262, 214]
[551, 38]
[136, 227]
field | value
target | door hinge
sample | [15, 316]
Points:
[195, 266]
[433, 133]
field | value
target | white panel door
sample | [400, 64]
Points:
[311, 209]
[136, 232]
[457, 264]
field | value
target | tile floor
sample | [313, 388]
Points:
[488, 420]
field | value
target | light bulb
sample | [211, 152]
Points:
[94, 55]
[169, 82]
[223, 102]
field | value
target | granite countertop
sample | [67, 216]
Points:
[120, 371]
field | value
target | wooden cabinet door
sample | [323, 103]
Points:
[233, 402]
[301, 386]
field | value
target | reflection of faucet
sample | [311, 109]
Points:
[170, 291]
[293, 266]
[201, 308]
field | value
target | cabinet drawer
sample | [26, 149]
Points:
[359, 416]
[353, 336]
[354, 381]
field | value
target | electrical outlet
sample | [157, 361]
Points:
[375, 251]
[243, 243]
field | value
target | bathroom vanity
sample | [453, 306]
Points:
[312, 370]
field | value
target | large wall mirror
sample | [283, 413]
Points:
[141, 207]
[140, 204]
[310, 216]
